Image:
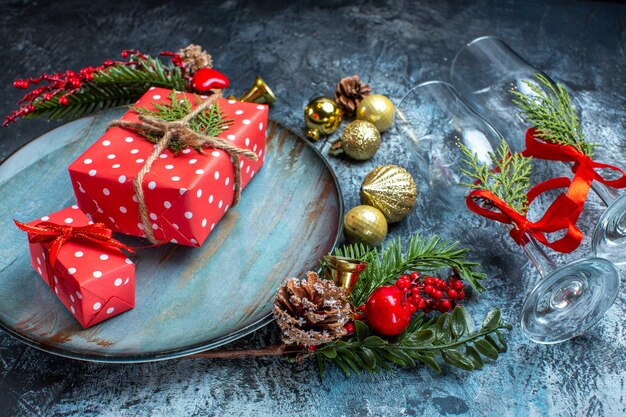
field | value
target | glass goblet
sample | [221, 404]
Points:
[568, 299]
[484, 72]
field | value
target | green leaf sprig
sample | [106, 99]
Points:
[509, 181]
[452, 337]
[550, 111]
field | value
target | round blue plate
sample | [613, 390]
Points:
[187, 299]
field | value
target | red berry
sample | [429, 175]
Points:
[206, 79]
[457, 285]
[445, 306]
[124, 54]
[63, 101]
[20, 84]
[453, 294]
[109, 63]
[461, 295]
[404, 282]
[428, 289]
[387, 311]
[412, 308]
[421, 305]
[361, 308]
[415, 298]
[414, 276]
[415, 289]
[428, 281]
[437, 294]
[47, 96]
[312, 347]
[75, 82]
[349, 327]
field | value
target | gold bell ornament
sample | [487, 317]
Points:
[322, 117]
[343, 271]
[365, 224]
[360, 140]
[259, 93]
[391, 189]
[378, 110]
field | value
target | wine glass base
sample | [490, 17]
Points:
[609, 236]
[570, 300]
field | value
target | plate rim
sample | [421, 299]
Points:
[188, 349]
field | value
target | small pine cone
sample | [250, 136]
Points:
[195, 58]
[312, 311]
[349, 93]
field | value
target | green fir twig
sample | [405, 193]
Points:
[210, 122]
[426, 255]
[509, 180]
[548, 107]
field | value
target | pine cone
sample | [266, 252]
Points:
[349, 93]
[195, 58]
[312, 311]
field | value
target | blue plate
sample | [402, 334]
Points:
[188, 299]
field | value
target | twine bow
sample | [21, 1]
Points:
[181, 131]
[60, 234]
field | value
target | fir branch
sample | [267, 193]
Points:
[209, 122]
[424, 341]
[509, 180]
[550, 111]
[116, 85]
[426, 255]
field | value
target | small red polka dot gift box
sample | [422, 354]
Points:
[82, 264]
[186, 193]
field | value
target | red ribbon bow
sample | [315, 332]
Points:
[59, 235]
[584, 168]
[556, 217]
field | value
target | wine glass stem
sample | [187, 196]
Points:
[607, 194]
[538, 257]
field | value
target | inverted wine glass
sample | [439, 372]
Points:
[484, 72]
[568, 299]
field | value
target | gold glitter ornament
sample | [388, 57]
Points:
[391, 189]
[322, 117]
[378, 110]
[360, 140]
[365, 224]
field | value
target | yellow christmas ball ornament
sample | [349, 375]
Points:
[322, 117]
[391, 189]
[376, 109]
[365, 224]
[360, 140]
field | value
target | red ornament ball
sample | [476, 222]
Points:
[388, 311]
[207, 79]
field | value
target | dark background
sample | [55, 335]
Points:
[302, 49]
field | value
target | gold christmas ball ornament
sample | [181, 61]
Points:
[365, 224]
[391, 189]
[360, 140]
[378, 110]
[322, 117]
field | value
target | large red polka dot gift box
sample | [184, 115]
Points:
[186, 190]
[83, 266]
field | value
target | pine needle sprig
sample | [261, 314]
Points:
[452, 338]
[509, 180]
[210, 122]
[426, 255]
[550, 111]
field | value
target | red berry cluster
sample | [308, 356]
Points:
[431, 293]
[63, 84]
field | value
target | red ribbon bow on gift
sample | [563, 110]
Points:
[60, 234]
[556, 217]
[584, 168]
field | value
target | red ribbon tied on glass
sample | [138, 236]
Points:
[557, 216]
[584, 168]
[60, 234]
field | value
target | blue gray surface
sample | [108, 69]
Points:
[302, 49]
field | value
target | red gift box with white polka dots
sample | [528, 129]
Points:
[186, 194]
[94, 283]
